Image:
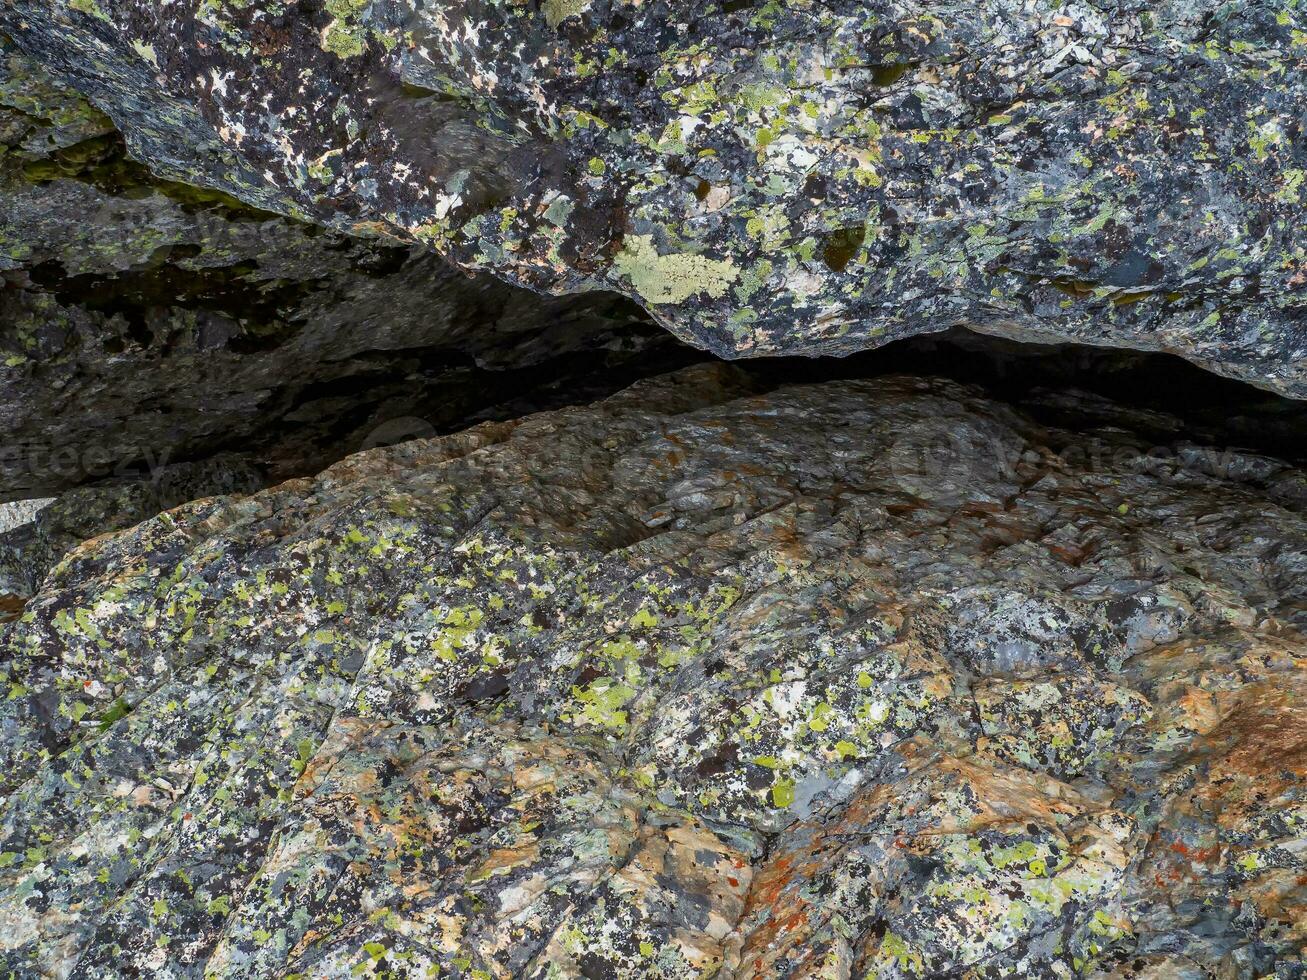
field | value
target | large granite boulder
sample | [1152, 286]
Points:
[868, 678]
[144, 323]
[764, 177]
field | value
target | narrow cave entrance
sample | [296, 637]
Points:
[1167, 398]
[375, 398]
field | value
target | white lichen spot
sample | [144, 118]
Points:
[218, 87]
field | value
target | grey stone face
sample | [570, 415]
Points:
[20, 512]
[711, 678]
[763, 177]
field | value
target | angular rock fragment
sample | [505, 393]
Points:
[710, 678]
[31, 549]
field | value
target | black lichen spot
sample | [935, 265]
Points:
[486, 687]
[889, 74]
[702, 190]
[11, 607]
[1079, 288]
[1135, 268]
[841, 245]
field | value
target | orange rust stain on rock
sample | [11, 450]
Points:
[11, 608]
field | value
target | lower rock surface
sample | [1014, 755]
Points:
[712, 678]
[44, 531]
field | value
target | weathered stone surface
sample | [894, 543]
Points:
[29, 550]
[869, 678]
[14, 515]
[804, 177]
[144, 323]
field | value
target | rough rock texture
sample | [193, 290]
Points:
[802, 177]
[20, 512]
[31, 549]
[144, 323]
[858, 679]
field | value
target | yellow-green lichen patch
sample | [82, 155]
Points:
[345, 36]
[674, 278]
[557, 11]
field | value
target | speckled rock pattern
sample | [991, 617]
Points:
[857, 679]
[29, 550]
[20, 512]
[801, 177]
[145, 323]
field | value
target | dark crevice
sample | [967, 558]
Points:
[1170, 398]
[103, 162]
[446, 390]
[262, 308]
